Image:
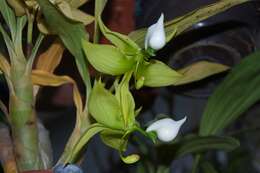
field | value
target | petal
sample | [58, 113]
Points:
[155, 37]
[166, 129]
[158, 38]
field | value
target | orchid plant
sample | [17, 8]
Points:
[130, 59]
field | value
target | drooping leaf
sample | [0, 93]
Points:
[195, 144]
[177, 26]
[45, 78]
[107, 59]
[123, 42]
[50, 59]
[105, 108]
[70, 33]
[198, 71]
[239, 90]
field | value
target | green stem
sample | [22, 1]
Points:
[23, 120]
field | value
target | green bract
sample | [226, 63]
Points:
[123, 42]
[115, 111]
[156, 74]
[105, 108]
[107, 59]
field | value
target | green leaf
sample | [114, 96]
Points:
[9, 17]
[198, 71]
[123, 42]
[107, 59]
[156, 74]
[105, 108]
[195, 144]
[70, 33]
[99, 7]
[177, 26]
[239, 90]
[208, 168]
[126, 100]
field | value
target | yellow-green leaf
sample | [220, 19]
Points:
[198, 71]
[107, 59]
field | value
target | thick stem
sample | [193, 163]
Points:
[23, 120]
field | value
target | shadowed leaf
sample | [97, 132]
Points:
[239, 90]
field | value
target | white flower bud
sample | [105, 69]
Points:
[166, 129]
[155, 37]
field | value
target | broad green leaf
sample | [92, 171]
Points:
[198, 71]
[99, 7]
[195, 144]
[105, 108]
[70, 33]
[157, 74]
[126, 100]
[239, 90]
[9, 17]
[208, 168]
[123, 42]
[77, 3]
[177, 26]
[107, 59]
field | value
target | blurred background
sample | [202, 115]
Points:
[226, 38]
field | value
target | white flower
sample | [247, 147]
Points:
[155, 37]
[166, 129]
